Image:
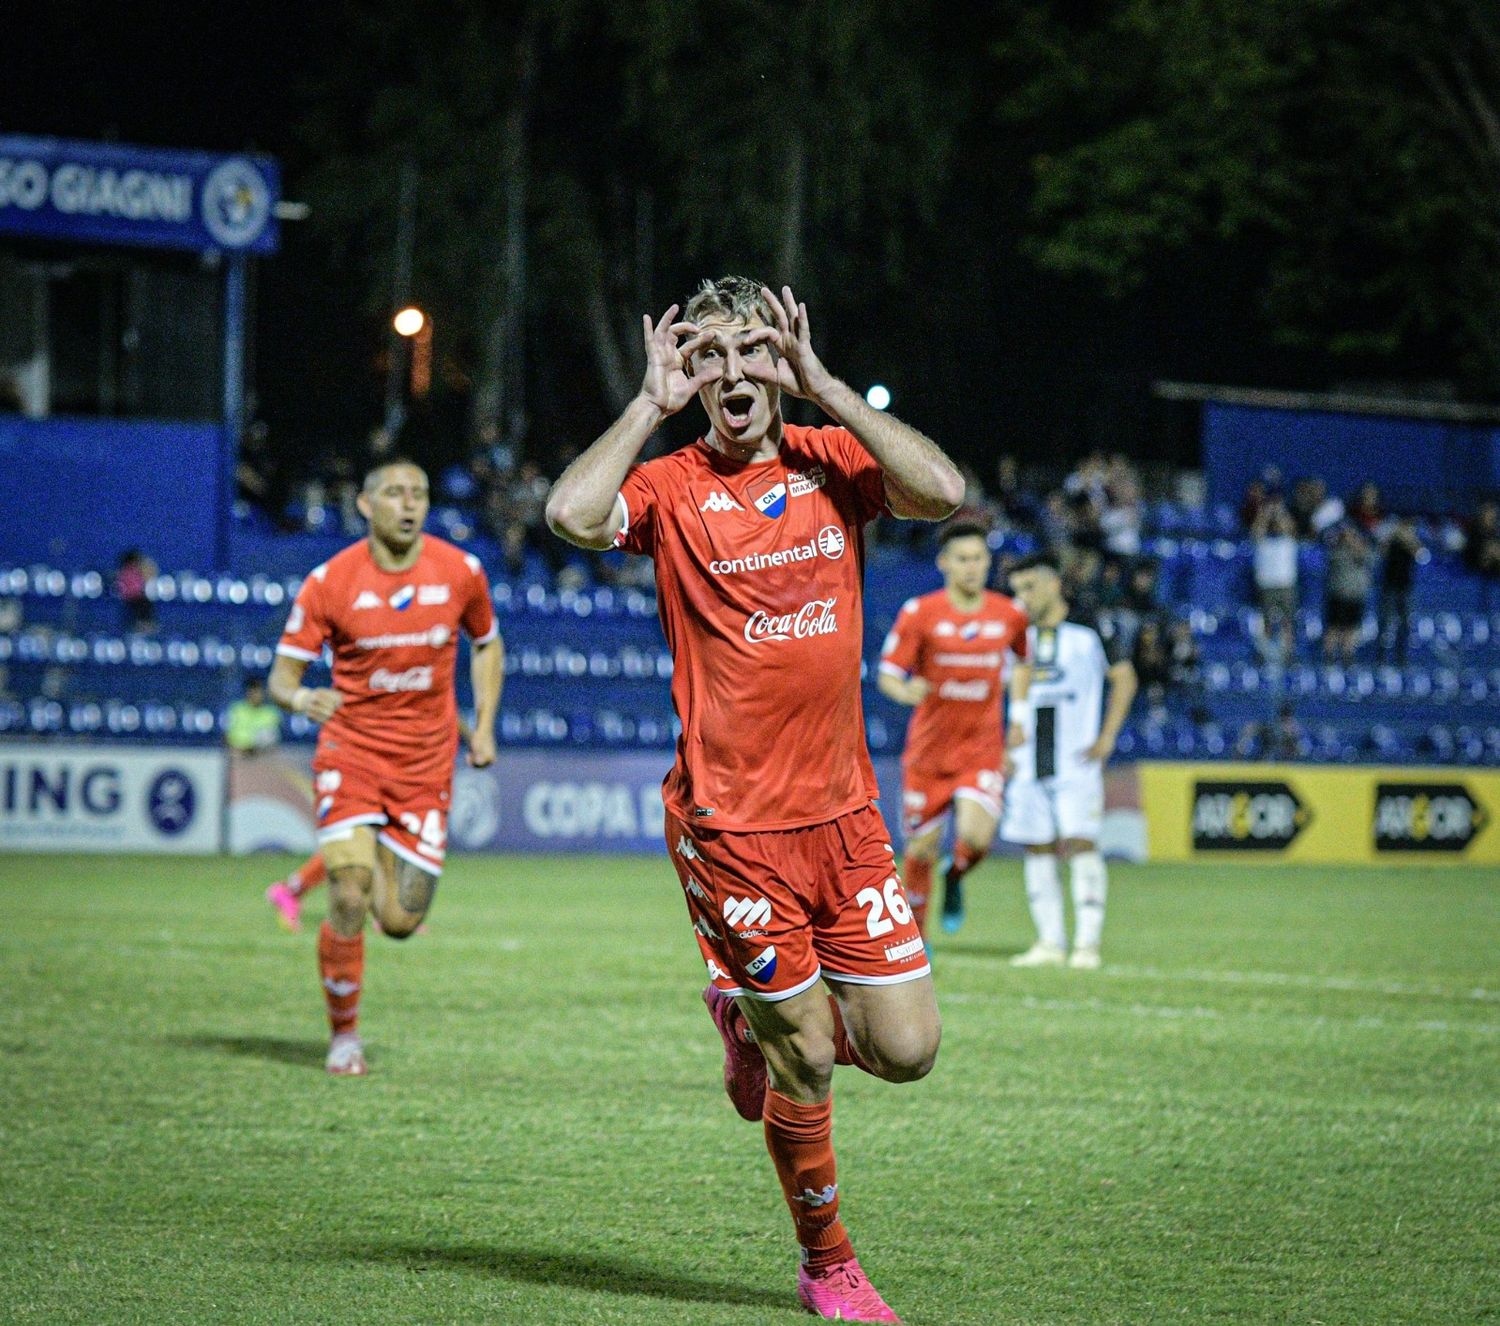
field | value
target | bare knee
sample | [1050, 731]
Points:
[800, 1064]
[923, 849]
[348, 899]
[903, 1053]
[403, 929]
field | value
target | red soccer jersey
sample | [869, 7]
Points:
[957, 727]
[394, 637]
[760, 586]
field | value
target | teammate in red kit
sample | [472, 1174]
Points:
[946, 655]
[390, 608]
[757, 532]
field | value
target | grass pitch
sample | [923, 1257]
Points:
[1279, 1102]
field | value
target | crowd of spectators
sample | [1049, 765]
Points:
[1093, 516]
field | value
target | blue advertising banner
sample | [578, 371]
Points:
[114, 193]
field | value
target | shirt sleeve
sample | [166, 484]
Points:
[638, 496]
[307, 627]
[903, 643]
[1019, 645]
[1114, 648]
[478, 621]
[862, 471]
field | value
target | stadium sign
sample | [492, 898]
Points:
[1246, 816]
[113, 193]
[1426, 817]
[104, 799]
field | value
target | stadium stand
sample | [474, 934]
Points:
[67, 667]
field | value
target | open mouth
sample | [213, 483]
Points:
[738, 406]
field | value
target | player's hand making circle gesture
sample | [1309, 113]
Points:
[795, 367]
[669, 385]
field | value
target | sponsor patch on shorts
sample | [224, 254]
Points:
[903, 952]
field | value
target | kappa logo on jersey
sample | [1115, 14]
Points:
[428, 595]
[324, 806]
[808, 481]
[401, 599]
[717, 501]
[763, 965]
[772, 502]
[813, 1198]
[695, 888]
[686, 850]
[367, 598]
[716, 972]
[704, 929]
[813, 618]
[746, 911]
[329, 779]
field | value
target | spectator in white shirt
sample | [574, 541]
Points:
[1275, 565]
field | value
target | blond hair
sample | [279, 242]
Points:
[736, 297]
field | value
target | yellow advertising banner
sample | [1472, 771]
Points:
[1332, 814]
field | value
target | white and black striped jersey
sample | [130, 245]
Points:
[1068, 667]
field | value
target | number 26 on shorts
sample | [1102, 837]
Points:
[892, 901]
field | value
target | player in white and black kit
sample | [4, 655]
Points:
[1054, 802]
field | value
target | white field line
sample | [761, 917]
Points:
[1168, 1012]
[1274, 980]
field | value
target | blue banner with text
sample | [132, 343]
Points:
[114, 193]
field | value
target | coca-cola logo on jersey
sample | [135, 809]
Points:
[413, 679]
[813, 618]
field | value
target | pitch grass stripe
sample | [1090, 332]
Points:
[1169, 1012]
[1270, 979]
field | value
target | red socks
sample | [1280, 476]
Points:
[341, 963]
[308, 875]
[800, 1140]
[917, 874]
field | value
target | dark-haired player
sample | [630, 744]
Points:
[946, 654]
[390, 608]
[1054, 805]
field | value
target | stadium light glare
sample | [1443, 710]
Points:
[409, 321]
[878, 397]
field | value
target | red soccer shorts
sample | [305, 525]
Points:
[412, 816]
[775, 911]
[925, 798]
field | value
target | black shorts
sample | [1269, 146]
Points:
[1343, 614]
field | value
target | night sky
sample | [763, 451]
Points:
[1025, 361]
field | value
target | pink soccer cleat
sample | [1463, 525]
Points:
[842, 1292]
[287, 904]
[744, 1064]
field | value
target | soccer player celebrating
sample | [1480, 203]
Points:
[946, 655]
[757, 532]
[390, 608]
[1055, 801]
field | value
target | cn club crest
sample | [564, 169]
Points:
[772, 502]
